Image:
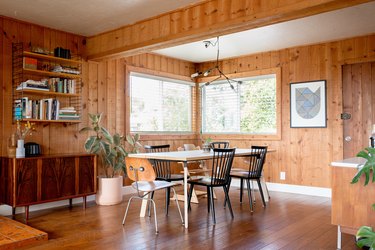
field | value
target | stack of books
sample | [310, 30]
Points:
[34, 85]
[68, 113]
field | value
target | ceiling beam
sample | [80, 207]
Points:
[204, 20]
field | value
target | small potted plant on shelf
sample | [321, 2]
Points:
[365, 235]
[111, 153]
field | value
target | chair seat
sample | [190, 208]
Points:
[173, 177]
[149, 186]
[243, 174]
[206, 181]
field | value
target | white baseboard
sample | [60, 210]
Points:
[288, 188]
[7, 210]
[295, 189]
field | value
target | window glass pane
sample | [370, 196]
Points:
[249, 108]
[159, 105]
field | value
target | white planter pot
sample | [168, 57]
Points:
[109, 191]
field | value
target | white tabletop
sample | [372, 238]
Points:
[192, 155]
[354, 162]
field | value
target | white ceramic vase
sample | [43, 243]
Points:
[109, 191]
[20, 150]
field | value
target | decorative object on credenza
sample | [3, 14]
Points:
[366, 235]
[111, 153]
[308, 104]
[32, 149]
[21, 133]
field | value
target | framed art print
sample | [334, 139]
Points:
[308, 104]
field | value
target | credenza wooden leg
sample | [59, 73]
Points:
[84, 202]
[26, 214]
[13, 212]
[70, 203]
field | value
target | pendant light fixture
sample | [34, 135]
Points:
[208, 71]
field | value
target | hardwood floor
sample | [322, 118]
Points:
[289, 221]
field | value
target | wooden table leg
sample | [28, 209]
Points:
[186, 205]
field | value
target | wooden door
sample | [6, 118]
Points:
[359, 102]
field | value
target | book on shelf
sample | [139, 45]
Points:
[62, 85]
[43, 109]
[30, 63]
[68, 113]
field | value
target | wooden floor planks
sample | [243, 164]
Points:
[290, 221]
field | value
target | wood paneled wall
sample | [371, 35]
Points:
[53, 137]
[305, 153]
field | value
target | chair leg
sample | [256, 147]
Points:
[148, 206]
[178, 205]
[241, 189]
[126, 211]
[190, 194]
[167, 197]
[156, 220]
[228, 187]
[261, 192]
[226, 192]
[249, 194]
[208, 200]
[212, 204]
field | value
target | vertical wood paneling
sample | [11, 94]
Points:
[54, 138]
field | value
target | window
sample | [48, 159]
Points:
[249, 108]
[159, 104]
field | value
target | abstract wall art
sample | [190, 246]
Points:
[308, 104]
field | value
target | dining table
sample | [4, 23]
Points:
[185, 157]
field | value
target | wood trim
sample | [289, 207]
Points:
[156, 136]
[204, 20]
[253, 73]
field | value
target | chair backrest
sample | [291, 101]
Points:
[256, 161]
[139, 169]
[222, 160]
[161, 167]
[219, 144]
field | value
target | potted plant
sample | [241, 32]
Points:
[365, 235]
[111, 154]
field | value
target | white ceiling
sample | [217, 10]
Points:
[87, 17]
[339, 24]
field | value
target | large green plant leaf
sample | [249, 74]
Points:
[366, 237]
[368, 167]
[107, 135]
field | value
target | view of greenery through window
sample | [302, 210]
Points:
[249, 108]
[159, 104]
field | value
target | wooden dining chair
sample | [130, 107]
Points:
[142, 173]
[219, 144]
[254, 172]
[163, 170]
[221, 165]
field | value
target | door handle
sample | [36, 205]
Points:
[348, 138]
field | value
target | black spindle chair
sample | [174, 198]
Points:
[221, 165]
[163, 169]
[254, 172]
[219, 144]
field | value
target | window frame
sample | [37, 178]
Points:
[247, 74]
[149, 135]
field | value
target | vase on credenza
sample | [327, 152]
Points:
[20, 150]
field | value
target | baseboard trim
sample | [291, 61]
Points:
[295, 189]
[6, 210]
[287, 188]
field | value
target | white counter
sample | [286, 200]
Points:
[349, 163]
